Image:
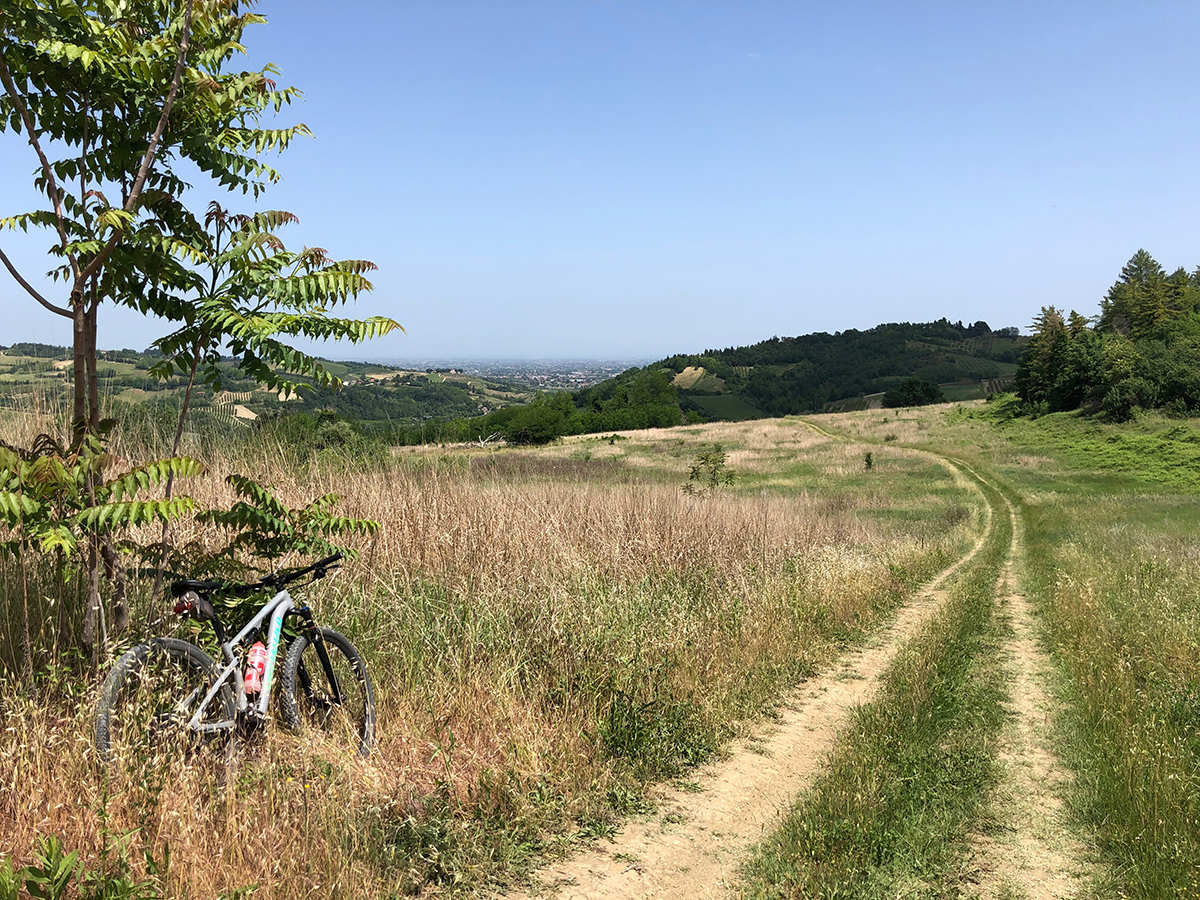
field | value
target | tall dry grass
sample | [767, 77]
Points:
[547, 635]
[1121, 605]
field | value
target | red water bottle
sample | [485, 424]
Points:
[256, 667]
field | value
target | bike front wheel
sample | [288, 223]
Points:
[149, 700]
[337, 700]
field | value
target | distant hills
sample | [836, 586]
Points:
[845, 370]
[372, 394]
[780, 376]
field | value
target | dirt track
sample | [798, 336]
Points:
[691, 847]
[1029, 851]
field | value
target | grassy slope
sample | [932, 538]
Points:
[1111, 515]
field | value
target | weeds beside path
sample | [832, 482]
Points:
[894, 812]
[887, 815]
[695, 842]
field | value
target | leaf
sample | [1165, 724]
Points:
[58, 538]
[154, 473]
[17, 507]
[133, 513]
[48, 472]
[9, 460]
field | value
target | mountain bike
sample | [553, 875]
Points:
[168, 694]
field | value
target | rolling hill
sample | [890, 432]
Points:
[845, 370]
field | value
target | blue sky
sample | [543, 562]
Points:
[618, 179]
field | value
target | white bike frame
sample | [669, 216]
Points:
[277, 609]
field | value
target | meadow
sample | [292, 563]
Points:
[554, 631]
[550, 632]
[1111, 518]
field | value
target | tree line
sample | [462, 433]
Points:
[643, 398]
[792, 375]
[1142, 351]
[780, 376]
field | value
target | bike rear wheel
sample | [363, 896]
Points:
[148, 701]
[343, 708]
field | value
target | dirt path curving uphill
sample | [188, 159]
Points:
[691, 847]
[1029, 851]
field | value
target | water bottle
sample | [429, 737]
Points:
[256, 666]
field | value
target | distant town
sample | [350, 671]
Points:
[530, 374]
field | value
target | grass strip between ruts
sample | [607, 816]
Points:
[890, 809]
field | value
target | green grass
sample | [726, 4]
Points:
[1119, 587]
[727, 408]
[954, 392]
[888, 817]
[708, 382]
[1151, 452]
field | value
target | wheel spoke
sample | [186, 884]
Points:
[151, 698]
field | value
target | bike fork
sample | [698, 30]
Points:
[318, 641]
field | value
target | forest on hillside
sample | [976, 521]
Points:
[1142, 351]
[790, 375]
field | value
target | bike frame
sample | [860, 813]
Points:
[277, 608]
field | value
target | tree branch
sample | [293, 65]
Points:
[83, 152]
[29, 287]
[52, 189]
[148, 160]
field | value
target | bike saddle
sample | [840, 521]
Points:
[200, 587]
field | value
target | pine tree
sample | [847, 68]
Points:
[1138, 302]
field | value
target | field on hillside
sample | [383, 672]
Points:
[549, 631]
[554, 632]
[39, 376]
[1111, 515]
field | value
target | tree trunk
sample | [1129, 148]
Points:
[79, 406]
[93, 393]
[116, 577]
[92, 615]
[166, 529]
[26, 641]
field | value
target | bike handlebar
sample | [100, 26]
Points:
[318, 569]
[276, 580]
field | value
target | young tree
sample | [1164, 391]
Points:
[112, 96]
[248, 293]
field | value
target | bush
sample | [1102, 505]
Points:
[1126, 396]
[913, 392]
[543, 420]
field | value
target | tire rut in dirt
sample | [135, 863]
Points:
[1029, 850]
[692, 847]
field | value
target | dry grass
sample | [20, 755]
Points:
[546, 629]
